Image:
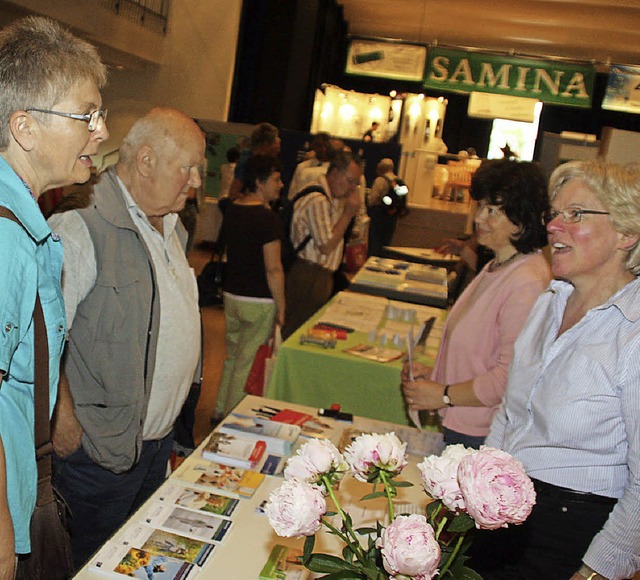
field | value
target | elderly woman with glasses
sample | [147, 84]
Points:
[470, 374]
[571, 412]
[52, 122]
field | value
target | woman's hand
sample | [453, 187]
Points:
[420, 371]
[423, 395]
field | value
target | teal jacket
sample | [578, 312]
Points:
[30, 261]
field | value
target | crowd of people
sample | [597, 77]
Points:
[540, 361]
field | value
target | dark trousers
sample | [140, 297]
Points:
[308, 288]
[551, 542]
[453, 438]
[100, 500]
[381, 229]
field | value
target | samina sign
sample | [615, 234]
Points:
[548, 81]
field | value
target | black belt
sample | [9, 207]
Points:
[549, 490]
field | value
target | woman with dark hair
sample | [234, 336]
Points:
[470, 375]
[254, 280]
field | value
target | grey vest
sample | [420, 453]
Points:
[112, 343]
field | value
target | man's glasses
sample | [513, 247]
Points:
[90, 118]
[569, 216]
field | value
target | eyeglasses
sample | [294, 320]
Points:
[90, 118]
[570, 216]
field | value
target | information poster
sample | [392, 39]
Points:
[623, 89]
[390, 60]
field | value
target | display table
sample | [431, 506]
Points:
[311, 375]
[421, 256]
[246, 546]
[402, 280]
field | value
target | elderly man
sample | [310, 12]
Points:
[323, 217]
[134, 328]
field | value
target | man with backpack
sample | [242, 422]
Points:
[321, 217]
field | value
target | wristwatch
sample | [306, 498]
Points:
[446, 399]
[589, 574]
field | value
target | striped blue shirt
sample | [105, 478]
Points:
[571, 412]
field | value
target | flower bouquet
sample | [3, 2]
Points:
[484, 488]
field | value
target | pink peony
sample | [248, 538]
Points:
[296, 509]
[313, 460]
[496, 488]
[440, 476]
[382, 451]
[409, 548]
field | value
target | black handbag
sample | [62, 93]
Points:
[210, 282]
[50, 557]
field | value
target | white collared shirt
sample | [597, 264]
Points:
[571, 412]
[179, 341]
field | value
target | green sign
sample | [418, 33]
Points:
[548, 81]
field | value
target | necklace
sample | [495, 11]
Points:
[496, 265]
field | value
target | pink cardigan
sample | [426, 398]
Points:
[479, 336]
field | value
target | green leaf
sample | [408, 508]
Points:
[365, 531]
[344, 575]
[469, 574]
[433, 506]
[307, 551]
[373, 495]
[461, 523]
[400, 483]
[327, 563]
[348, 554]
[329, 514]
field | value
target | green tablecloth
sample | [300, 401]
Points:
[311, 375]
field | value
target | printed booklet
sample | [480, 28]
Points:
[144, 552]
[199, 525]
[197, 499]
[234, 450]
[210, 476]
[284, 564]
[279, 437]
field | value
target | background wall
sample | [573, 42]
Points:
[191, 67]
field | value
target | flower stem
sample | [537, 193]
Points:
[350, 537]
[453, 554]
[388, 491]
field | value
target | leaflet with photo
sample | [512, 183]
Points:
[197, 499]
[229, 480]
[279, 437]
[198, 525]
[146, 552]
[235, 450]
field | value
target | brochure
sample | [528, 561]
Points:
[375, 353]
[197, 499]
[278, 436]
[229, 480]
[198, 525]
[234, 450]
[145, 552]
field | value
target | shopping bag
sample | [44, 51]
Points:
[355, 255]
[262, 366]
[255, 380]
[270, 362]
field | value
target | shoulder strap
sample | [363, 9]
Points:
[41, 390]
[306, 191]
[303, 193]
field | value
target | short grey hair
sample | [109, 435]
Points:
[159, 128]
[39, 61]
[617, 187]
